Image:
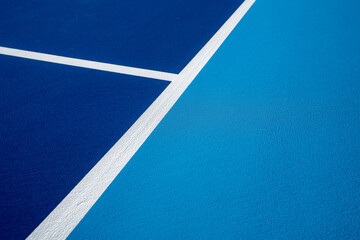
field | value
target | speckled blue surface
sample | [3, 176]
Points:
[154, 34]
[56, 123]
[264, 144]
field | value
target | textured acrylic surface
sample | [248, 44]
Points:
[158, 34]
[56, 122]
[263, 145]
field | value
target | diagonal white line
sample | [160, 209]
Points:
[65, 217]
[88, 64]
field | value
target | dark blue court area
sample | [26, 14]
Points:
[158, 35]
[56, 122]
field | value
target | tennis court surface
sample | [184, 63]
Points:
[100, 140]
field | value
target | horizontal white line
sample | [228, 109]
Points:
[65, 217]
[88, 64]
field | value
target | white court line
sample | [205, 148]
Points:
[88, 64]
[66, 216]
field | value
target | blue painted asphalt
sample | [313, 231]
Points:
[56, 122]
[265, 143]
[158, 35]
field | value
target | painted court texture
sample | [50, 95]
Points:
[264, 144]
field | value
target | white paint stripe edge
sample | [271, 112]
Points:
[66, 216]
[88, 64]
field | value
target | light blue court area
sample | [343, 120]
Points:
[264, 144]
[82, 86]
[56, 123]
[158, 34]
